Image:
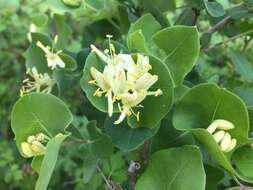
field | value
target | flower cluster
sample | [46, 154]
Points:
[40, 83]
[35, 145]
[53, 59]
[222, 136]
[123, 81]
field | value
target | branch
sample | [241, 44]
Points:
[228, 40]
[219, 25]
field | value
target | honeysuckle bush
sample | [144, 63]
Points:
[137, 94]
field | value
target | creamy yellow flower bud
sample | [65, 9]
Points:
[38, 148]
[212, 127]
[225, 142]
[218, 136]
[31, 139]
[224, 124]
[231, 146]
[40, 137]
[26, 149]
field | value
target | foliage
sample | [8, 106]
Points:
[176, 111]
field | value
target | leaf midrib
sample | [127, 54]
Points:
[179, 171]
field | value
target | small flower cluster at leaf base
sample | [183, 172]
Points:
[218, 128]
[123, 81]
[53, 59]
[40, 83]
[35, 145]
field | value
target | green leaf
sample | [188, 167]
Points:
[238, 12]
[39, 113]
[213, 177]
[89, 167]
[36, 163]
[136, 41]
[159, 5]
[59, 7]
[115, 168]
[141, 31]
[147, 24]
[49, 161]
[40, 20]
[242, 65]
[181, 46]
[243, 160]
[126, 138]
[205, 103]
[214, 8]
[35, 57]
[148, 118]
[245, 92]
[63, 30]
[101, 145]
[168, 137]
[173, 169]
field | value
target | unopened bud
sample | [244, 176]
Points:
[38, 148]
[231, 146]
[212, 127]
[224, 124]
[225, 142]
[31, 139]
[26, 149]
[218, 136]
[40, 137]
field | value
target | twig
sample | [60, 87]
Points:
[103, 176]
[145, 152]
[143, 158]
[219, 25]
[246, 43]
[114, 24]
[196, 14]
[228, 40]
[132, 170]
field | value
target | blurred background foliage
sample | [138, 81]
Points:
[226, 58]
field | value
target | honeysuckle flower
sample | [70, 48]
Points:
[53, 59]
[34, 146]
[218, 136]
[222, 137]
[123, 81]
[40, 83]
[220, 124]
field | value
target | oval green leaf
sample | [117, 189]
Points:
[181, 46]
[173, 169]
[126, 138]
[205, 103]
[37, 112]
[148, 118]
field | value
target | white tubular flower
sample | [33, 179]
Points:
[123, 81]
[223, 138]
[26, 149]
[212, 127]
[34, 145]
[231, 145]
[224, 124]
[53, 59]
[225, 142]
[145, 81]
[218, 136]
[41, 82]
